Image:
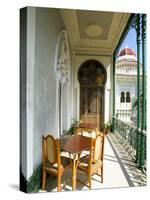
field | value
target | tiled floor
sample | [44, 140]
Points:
[118, 172]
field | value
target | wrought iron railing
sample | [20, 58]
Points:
[128, 136]
[144, 148]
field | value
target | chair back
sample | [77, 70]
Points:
[51, 149]
[86, 132]
[98, 147]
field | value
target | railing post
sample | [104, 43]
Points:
[113, 122]
[138, 87]
[142, 142]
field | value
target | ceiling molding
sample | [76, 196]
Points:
[92, 51]
[69, 17]
[94, 45]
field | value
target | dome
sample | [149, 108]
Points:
[127, 54]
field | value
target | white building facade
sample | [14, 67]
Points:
[126, 82]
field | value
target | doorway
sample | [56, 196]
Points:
[92, 78]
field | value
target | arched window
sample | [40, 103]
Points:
[122, 97]
[128, 98]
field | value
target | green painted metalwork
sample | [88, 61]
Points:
[138, 70]
[134, 138]
[144, 71]
[127, 136]
[114, 62]
[138, 88]
[142, 141]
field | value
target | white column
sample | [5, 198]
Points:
[78, 103]
[57, 109]
[30, 89]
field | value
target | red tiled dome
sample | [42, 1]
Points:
[127, 51]
[126, 54]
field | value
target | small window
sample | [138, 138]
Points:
[122, 97]
[128, 98]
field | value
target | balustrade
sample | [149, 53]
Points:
[124, 115]
[127, 135]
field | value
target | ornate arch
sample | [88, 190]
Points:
[62, 69]
[92, 72]
[62, 59]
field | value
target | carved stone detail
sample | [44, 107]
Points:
[62, 58]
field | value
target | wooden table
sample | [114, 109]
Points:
[74, 146]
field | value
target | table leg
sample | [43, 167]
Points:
[74, 173]
[74, 161]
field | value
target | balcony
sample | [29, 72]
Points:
[120, 170]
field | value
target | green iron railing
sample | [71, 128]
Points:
[127, 135]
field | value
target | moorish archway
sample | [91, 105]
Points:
[92, 78]
[62, 69]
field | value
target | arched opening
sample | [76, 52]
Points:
[128, 98]
[122, 98]
[62, 68]
[92, 77]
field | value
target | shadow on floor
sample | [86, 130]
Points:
[133, 174]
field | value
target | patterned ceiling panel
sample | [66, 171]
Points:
[89, 18]
[94, 31]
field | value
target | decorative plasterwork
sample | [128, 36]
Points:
[92, 44]
[62, 60]
[94, 30]
[126, 80]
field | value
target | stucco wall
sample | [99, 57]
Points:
[48, 25]
[38, 85]
[27, 62]
[23, 92]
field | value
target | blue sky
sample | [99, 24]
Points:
[130, 40]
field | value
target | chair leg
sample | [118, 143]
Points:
[102, 174]
[90, 181]
[58, 183]
[44, 180]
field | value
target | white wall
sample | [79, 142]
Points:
[27, 61]
[43, 28]
[31, 21]
[48, 25]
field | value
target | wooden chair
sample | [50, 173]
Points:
[93, 163]
[88, 132]
[52, 161]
